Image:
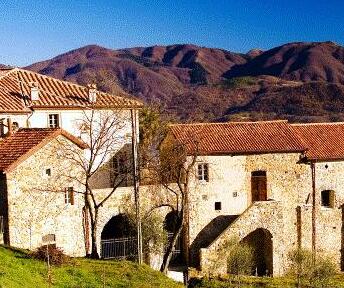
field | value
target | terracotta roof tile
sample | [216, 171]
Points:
[21, 144]
[325, 141]
[238, 137]
[53, 93]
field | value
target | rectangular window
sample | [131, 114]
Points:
[217, 206]
[203, 172]
[53, 121]
[327, 198]
[69, 196]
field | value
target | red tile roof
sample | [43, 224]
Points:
[238, 137]
[21, 144]
[324, 141]
[53, 93]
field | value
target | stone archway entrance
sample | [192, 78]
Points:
[118, 238]
[261, 242]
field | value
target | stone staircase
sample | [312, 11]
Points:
[266, 215]
[208, 234]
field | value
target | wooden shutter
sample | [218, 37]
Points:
[71, 195]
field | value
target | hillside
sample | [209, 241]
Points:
[300, 61]
[196, 83]
[17, 270]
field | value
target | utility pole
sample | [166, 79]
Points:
[136, 184]
[314, 211]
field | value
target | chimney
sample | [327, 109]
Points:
[92, 93]
[9, 127]
[34, 91]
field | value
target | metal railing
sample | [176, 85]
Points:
[119, 248]
[126, 248]
[177, 251]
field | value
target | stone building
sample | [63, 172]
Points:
[30, 100]
[39, 193]
[274, 185]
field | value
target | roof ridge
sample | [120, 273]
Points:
[39, 129]
[317, 124]
[234, 122]
[9, 71]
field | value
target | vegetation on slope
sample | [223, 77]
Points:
[293, 81]
[17, 269]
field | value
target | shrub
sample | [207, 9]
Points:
[240, 260]
[317, 274]
[56, 255]
[323, 271]
[239, 82]
[302, 264]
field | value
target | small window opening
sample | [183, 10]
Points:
[48, 172]
[69, 196]
[15, 126]
[218, 206]
[53, 121]
[327, 198]
[203, 172]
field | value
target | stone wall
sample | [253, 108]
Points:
[36, 201]
[289, 183]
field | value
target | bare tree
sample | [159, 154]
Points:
[170, 171]
[105, 132]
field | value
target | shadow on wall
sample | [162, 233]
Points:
[208, 235]
[116, 169]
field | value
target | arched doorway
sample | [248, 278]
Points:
[261, 242]
[118, 238]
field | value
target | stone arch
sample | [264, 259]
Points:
[118, 226]
[260, 240]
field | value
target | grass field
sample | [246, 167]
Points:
[17, 269]
[255, 282]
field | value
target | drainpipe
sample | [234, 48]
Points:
[313, 213]
[136, 183]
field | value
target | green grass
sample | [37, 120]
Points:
[255, 282]
[17, 269]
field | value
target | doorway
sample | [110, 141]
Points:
[258, 186]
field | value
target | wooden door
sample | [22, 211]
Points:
[258, 186]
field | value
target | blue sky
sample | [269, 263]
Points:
[31, 31]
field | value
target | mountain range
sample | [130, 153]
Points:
[302, 81]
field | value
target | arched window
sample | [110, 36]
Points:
[327, 198]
